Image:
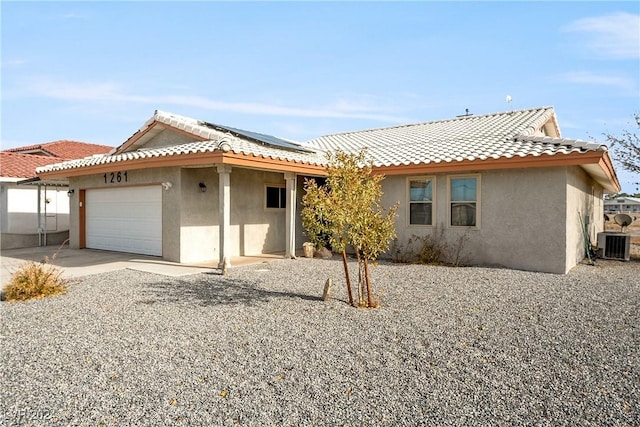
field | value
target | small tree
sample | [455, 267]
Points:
[627, 148]
[347, 209]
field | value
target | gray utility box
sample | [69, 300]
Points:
[614, 245]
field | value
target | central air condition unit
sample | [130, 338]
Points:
[613, 245]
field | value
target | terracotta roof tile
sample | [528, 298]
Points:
[17, 165]
[63, 149]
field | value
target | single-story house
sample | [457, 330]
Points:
[622, 205]
[195, 192]
[35, 212]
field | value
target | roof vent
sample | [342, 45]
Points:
[466, 113]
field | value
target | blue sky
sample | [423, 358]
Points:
[96, 71]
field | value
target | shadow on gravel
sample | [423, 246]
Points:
[223, 291]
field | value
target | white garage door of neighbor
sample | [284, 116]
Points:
[124, 219]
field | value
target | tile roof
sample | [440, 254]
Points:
[237, 146]
[17, 165]
[63, 149]
[239, 142]
[491, 136]
[211, 131]
[467, 138]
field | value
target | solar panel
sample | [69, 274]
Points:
[261, 138]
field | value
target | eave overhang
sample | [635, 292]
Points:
[190, 160]
[596, 163]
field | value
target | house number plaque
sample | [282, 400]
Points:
[115, 177]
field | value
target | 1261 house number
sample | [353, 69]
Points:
[114, 177]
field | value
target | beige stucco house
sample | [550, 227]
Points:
[195, 192]
[628, 205]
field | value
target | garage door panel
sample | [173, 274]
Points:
[125, 219]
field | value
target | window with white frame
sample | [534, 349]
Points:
[420, 201]
[463, 201]
[276, 197]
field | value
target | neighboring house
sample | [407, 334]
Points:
[623, 205]
[192, 191]
[34, 212]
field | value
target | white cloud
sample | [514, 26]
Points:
[612, 36]
[587, 77]
[111, 92]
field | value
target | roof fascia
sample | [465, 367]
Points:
[266, 163]
[193, 159]
[554, 120]
[545, 160]
[38, 181]
[606, 165]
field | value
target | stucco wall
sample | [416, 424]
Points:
[521, 223]
[19, 209]
[15, 241]
[255, 229]
[170, 203]
[584, 201]
[190, 218]
[166, 138]
[199, 238]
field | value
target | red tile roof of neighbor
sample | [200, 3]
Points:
[16, 165]
[63, 149]
[21, 162]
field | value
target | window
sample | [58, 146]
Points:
[276, 197]
[463, 201]
[420, 201]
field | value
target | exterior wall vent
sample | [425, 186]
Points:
[613, 245]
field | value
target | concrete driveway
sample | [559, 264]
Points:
[83, 262]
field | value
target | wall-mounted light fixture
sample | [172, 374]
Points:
[70, 192]
[167, 185]
[203, 187]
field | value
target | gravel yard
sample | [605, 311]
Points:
[449, 346]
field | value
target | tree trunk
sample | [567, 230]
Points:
[361, 284]
[346, 275]
[368, 281]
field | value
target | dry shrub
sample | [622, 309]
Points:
[35, 280]
[431, 250]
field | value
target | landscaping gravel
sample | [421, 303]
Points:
[259, 347]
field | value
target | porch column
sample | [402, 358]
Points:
[39, 216]
[224, 213]
[290, 227]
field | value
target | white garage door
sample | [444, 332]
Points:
[125, 219]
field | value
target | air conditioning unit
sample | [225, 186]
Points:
[613, 245]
